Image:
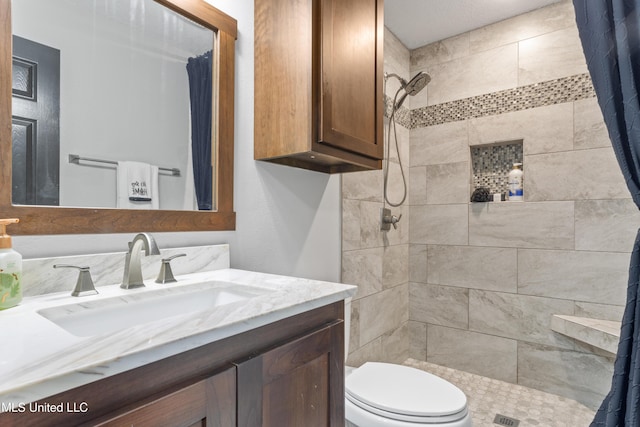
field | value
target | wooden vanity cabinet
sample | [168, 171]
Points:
[287, 373]
[319, 84]
[290, 385]
[207, 403]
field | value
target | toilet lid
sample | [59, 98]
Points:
[404, 390]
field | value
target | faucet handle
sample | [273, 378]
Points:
[84, 284]
[166, 275]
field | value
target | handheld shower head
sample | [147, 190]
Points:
[414, 86]
[417, 83]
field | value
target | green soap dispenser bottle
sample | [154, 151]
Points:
[10, 269]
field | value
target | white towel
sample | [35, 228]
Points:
[137, 186]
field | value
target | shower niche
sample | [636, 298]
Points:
[490, 166]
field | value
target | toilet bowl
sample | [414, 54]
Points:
[389, 395]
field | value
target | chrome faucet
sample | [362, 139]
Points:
[132, 267]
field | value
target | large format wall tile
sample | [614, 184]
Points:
[395, 265]
[580, 376]
[589, 128]
[599, 277]
[418, 185]
[550, 56]
[445, 143]
[396, 184]
[481, 354]
[396, 55]
[606, 225]
[477, 74]
[448, 183]
[524, 225]
[519, 317]
[546, 19]
[350, 224]
[473, 267]
[390, 347]
[354, 329]
[370, 234]
[573, 175]
[362, 186]
[403, 134]
[418, 224]
[599, 311]
[417, 340]
[383, 312]
[420, 99]
[439, 224]
[395, 344]
[363, 268]
[396, 61]
[418, 263]
[542, 130]
[368, 352]
[438, 52]
[439, 305]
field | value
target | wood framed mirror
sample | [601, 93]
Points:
[81, 220]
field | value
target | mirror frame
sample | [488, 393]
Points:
[69, 220]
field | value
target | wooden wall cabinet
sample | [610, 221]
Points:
[287, 373]
[319, 84]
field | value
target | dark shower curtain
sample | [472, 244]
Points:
[609, 31]
[199, 70]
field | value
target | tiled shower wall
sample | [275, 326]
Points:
[473, 286]
[486, 278]
[378, 261]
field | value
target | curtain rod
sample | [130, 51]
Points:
[74, 158]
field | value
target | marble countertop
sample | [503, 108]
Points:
[39, 358]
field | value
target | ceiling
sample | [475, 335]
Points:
[420, 22]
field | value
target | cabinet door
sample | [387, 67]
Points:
[207, 403]
[300, 383]
[352, 68]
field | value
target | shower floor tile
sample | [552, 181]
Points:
[488, 397]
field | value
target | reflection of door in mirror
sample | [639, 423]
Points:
[35, 123]
[124, 94]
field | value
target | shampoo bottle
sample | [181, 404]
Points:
[514, 181]
[10, 269]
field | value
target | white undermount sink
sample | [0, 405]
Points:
[113, 314]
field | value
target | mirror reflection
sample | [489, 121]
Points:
[111, 103]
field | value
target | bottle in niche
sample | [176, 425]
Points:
[514, 182]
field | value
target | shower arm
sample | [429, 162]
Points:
[403, 82]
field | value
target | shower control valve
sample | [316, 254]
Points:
[387, 220]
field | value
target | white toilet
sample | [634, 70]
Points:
[389, 395]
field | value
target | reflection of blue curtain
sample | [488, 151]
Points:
[609, 30]
[199, 70]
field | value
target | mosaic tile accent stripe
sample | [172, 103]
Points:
[558, 91]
